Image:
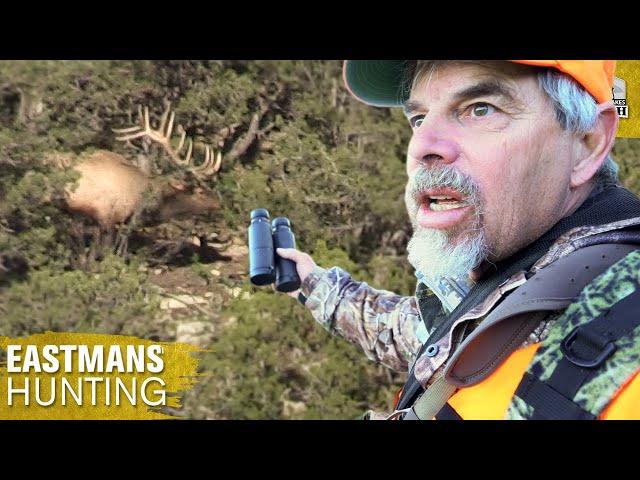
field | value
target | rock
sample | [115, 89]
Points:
[157, 271]
[192, 299]
[181, 301]
[171, 304]
[199, 334]
[215, 273]
[234, 292]
[292, 409]
[236, 251]
[229, 321]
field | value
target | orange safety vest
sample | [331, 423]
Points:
[489, 399]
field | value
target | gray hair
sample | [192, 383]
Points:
[575, 108]
[577, 112]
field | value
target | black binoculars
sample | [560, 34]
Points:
[265, 266]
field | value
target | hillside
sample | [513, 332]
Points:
[292, 141]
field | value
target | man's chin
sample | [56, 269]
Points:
[445, 252]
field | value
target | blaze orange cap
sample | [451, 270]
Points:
[381, 82]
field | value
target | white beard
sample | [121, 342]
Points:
[437, 253]
[431, 253]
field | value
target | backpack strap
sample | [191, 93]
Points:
[590, 353]
[509, 324]
[431, 401]
[584, 351]
[448, 413]
[503, 330]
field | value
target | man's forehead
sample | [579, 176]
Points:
[442, 80]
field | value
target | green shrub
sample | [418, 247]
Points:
[114, 298]
[272, 353]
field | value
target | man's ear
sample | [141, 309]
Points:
[596, 145]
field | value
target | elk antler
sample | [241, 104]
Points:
[162, 136]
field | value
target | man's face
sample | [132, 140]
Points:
[489, 165]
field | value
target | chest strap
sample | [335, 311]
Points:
[431, 401]
[584, 352]
[512, 321]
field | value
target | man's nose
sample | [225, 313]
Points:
[432, 145]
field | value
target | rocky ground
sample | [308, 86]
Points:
[206, 291]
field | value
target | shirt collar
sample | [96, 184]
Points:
[449, 290]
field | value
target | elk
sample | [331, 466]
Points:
[112, 191]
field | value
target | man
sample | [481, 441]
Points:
[525, 245]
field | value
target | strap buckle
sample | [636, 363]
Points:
[589, 340]
[397, 414]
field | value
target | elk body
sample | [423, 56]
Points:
[110, 190]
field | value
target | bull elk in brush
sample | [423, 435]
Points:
[111, 190]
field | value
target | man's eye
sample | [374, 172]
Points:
[481, 109]
[416, 121]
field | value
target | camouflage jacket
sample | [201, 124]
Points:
[391, 329]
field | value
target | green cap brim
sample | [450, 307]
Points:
[380, 83]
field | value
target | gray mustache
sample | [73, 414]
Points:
[443, 177]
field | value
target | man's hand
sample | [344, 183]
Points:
[304, 264]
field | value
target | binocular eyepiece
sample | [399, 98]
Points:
[265, 265]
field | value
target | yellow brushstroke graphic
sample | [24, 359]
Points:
[97, 391]
[629, 71]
